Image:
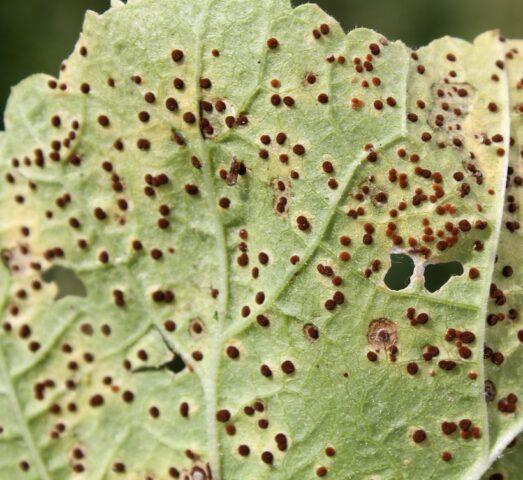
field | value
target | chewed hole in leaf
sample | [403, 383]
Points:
[438, 274]
[176, 365]
[400, 271]
[67, 282]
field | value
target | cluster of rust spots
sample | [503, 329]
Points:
[504, 311]
[322, 30]
[461, 340]
[508, 404]
[417, 318]
[338, 297]
[256, 410]
[465, 427]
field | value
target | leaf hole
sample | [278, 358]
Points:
[176, 365]
[66, 280]
[438, 274]
[400, 271]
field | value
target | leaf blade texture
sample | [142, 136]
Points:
[503, 338]
[228, 180]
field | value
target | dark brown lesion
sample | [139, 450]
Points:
[282, 196]
[382, 334]
[234, 171]
[196, 327]
[490, 391]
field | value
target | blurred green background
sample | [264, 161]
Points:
[35, 35]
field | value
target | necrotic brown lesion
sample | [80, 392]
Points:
[382, 334]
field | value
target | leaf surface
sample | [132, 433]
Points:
[508, 465]
[504, 336]
[228, 180]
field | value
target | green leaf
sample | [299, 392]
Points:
[504, 336]
[508, 465]
[229, 189]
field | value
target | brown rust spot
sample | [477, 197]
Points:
[490, 391]
[382, 334]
